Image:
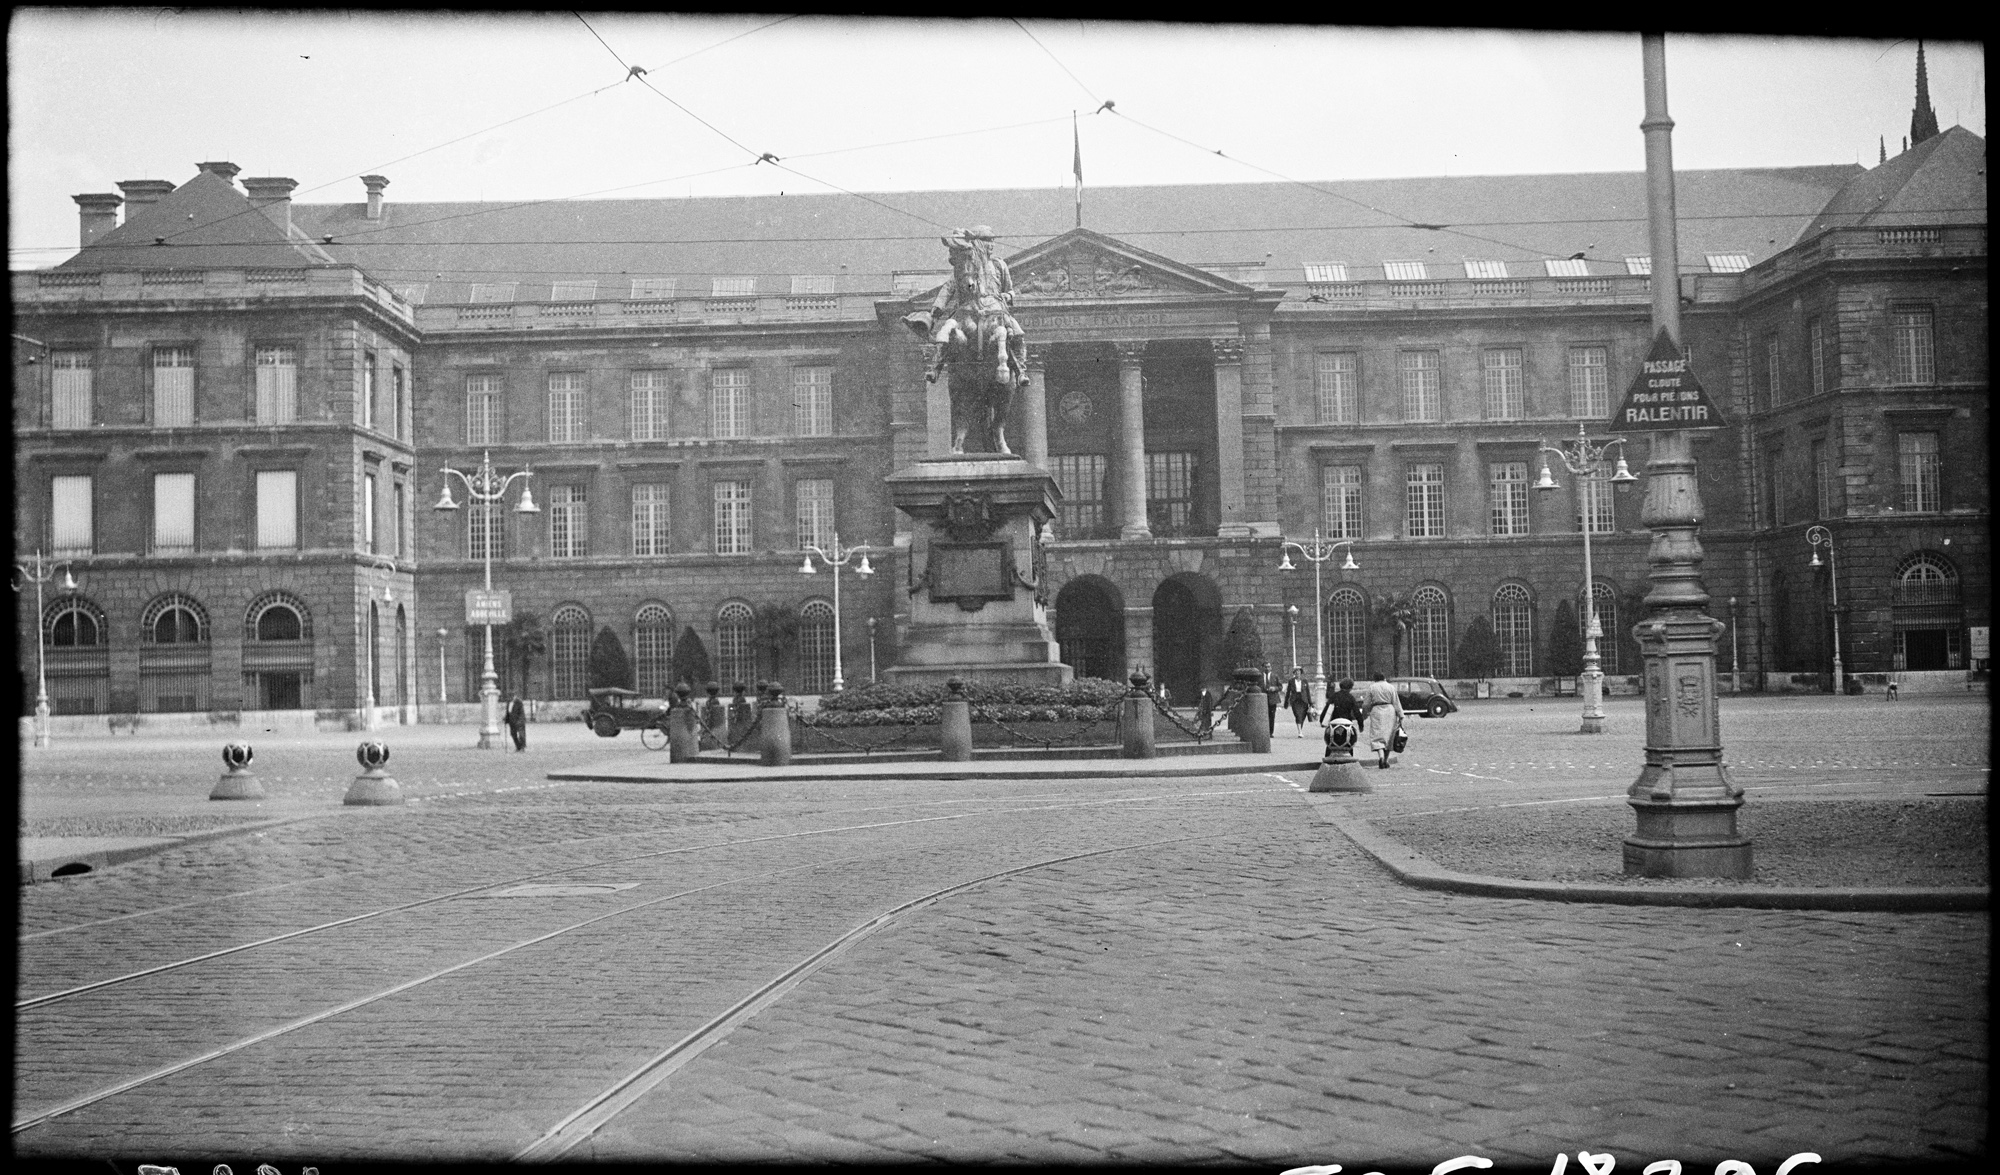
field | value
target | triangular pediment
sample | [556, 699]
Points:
[1085, 264]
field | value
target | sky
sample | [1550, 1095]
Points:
[516, 107]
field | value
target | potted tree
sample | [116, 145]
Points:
[1478, 654]
[1565, 648]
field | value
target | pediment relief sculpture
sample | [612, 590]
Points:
[1087, 273]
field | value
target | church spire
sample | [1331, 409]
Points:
[1923, 120]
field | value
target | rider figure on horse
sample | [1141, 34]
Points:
[973, 303]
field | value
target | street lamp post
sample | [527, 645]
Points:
[837, 559]
[1584, 458]
[40, 575]
[442, 699]
[1820, 536]
[368, 627]
[1292, 622]
[1316, 552]
[873, 676]
[485, 487]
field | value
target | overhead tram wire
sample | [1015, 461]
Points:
[1059, 61]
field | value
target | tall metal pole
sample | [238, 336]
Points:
[1316, 553]
[39, 576]
[487, 488]
[1683, 798]
[1820, 536]
[1593, 671]
[837, 559]
[442, 699]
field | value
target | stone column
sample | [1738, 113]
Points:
[1035, 408]
[1132, 442]
[1233, 523]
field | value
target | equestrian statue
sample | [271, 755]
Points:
[969, 332]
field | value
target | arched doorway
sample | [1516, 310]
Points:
[1090, 627]
[1187, 634]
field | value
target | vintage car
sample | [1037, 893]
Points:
[1423, 695]
[613, 709]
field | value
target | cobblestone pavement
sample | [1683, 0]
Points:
[1226, 979]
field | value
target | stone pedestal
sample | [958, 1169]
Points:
[978, 604]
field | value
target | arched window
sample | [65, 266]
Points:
[174, 619]
[1929, 615]
[1605, 598]
[74, 623]
[1926, 579]
[735, 643]
[816, 647]
[277, 616]
[1514, 630]
[569, 650]
[1430, 636]
[1346, 633]
[653, 650]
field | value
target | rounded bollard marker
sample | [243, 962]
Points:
[237, 783]
[775, 735]
[955, 724]
[373, 786]
[1253, 712]
[1135, 719]
[1338, 772]
[740, 714]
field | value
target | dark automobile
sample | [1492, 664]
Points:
[613, 709]
[1423, 695]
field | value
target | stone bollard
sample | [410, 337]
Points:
[955, 724]
[1253, 713]
[683, 738]
[1338, 772]
[740, 714]
[1135, 720]
[774, 737]
[237, 783]
[715, 717]
[373, 786]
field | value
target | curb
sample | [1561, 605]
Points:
[1413, 869]
[102, 852]
[936, 769]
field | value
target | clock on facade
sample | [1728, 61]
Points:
[1074, 407]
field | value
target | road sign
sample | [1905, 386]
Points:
[1666, 397]
[488, 607]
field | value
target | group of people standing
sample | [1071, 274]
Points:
[1374, 709]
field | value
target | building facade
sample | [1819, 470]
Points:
[703, 389]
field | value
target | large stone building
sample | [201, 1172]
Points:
[232, 414]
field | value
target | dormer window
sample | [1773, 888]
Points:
[733, 287]
[1728, 262]
[573, 291]
[492, 292]
[1403, 271]
[1331, 271]
[1567, 267]
[1639, 266]
[1485, 270]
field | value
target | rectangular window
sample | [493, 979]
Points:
[650, 394]
[1774, 485]
[812, 401]
[398, 533]
[569, 522]
[1774, 371]
[173, 387]
[1326, 273]
[1335, 384]
[566, 424]
[1916, 345]
[1728, 262]
[72, 527]
[806, 284]
[368, 512]
[1508, 487]
[485, 531]
[1403, 271]
[1169, 493]
[71, 391]
[492, 292]
[733, 287]
[1424, 486]
[1918, 464]
[1639, 266]
[813, 497]
[1589, 383]
[1822, 481]
[1567, 267]
[728, 396]
[1484, 270]
[367, 389]
[1340, 501]
[1600, 508]
[1816, 354]
[1080, 476]
[1504, 396]
[397, 378]
[482, 409]
[573, 291]
[732, 517]
[1420, 386]
[277, 510]
[653, 287]
[651, 530]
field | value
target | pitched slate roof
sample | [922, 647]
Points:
[206, 224]
[1517, 219]
[1941, 180]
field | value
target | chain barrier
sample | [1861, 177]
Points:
[908, 732]
[1196, 732]
[728, 748]
[1021, 737]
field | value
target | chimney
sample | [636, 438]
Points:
[217, 167]
[273, 195]
[141, 195]
[99, 213]
[375, 184]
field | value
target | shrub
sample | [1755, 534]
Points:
[1565, 642]
[1086, 699]
[608, 664]
[1478, 651]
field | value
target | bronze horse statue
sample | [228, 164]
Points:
[968, 332]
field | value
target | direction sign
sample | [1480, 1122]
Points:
[1666, 397]
[483, 606]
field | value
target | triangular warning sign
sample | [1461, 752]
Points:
[1666, 397]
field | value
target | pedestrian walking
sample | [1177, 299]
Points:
[1270, 686]
[517, 723]
[1382, 715]
[1204, 719]
[1341, 703]
[1298, 699]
